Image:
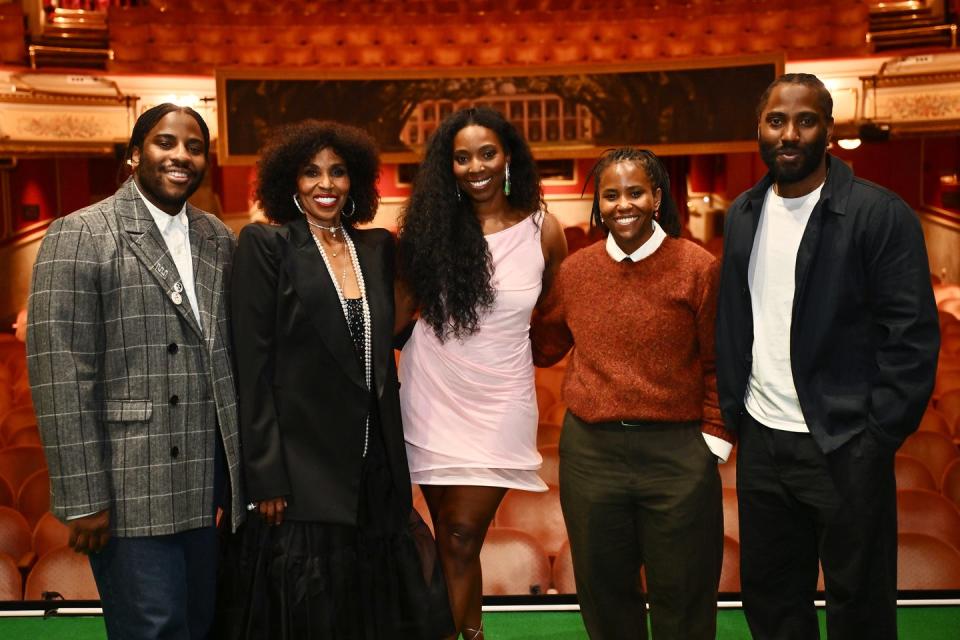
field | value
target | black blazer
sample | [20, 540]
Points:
[303, 399]
[864, 336]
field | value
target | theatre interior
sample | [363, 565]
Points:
[680, 77]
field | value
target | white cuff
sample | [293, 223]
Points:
[82, 515]
[720, 448]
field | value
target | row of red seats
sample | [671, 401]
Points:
[515, 563]
[146, 57]
[279, 39]
[453, 12]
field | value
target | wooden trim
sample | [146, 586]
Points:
[942, 217]
[26, 235]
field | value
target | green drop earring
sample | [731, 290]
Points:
[506, 180]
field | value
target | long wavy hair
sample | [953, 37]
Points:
[669, 218]
[443, 255]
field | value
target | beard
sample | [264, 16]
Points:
[811, 155]
[151, 183]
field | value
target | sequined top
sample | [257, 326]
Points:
[355, 324]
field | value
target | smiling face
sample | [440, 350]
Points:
[479, 163]
[170, 165]
[323, 186]
[793, 133]
[627, 203]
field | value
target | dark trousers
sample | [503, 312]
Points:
[163, 587]
[645, 495]
[158, 587]
[798, 505]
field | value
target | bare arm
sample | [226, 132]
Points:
[554, 245]
[404, 306]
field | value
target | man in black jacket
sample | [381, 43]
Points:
[827, 342]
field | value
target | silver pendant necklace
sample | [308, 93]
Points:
[333, 231]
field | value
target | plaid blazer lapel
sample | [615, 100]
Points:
[148, 246]
[207, 271]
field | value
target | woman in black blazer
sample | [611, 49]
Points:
[328, 552]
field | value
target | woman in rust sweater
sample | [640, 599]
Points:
[642, 435]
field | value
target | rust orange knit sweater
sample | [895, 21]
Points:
[641, 333]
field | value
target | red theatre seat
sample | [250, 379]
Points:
[514, 563]
[934, 450]
[924, 562]
[928, 513]
[18, 463]
[49, 534]
[538, 514]
[913, 474]
[62, 571]
[11, 582]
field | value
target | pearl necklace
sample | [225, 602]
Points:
[333, 230]
[367, 333]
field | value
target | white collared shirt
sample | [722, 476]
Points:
[176, 234]
[720, 448]
[645, 250]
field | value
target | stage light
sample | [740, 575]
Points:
[848, 143]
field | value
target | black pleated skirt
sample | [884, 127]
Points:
[312, 580]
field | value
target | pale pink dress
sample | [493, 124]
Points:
[470, 406]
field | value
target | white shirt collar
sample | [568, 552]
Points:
[162, 218]
[646, 249]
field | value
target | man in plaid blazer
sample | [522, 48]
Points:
[130, 362]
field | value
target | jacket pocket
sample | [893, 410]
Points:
[127, 410]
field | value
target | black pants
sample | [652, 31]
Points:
[645, 495]
[798, 505]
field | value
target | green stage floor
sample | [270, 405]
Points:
[915, 623]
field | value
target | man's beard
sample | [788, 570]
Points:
[810, 156]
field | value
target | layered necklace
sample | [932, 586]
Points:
[333, 230]
[367, 332]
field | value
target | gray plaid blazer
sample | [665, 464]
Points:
[128, 389]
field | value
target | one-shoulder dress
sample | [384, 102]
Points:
[469, 405]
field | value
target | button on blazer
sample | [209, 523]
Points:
[129, 389]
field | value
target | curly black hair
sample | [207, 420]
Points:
[443, 255]
[669, 218]
[292, 146]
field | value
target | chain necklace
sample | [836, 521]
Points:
[367, 331]
[333, 231]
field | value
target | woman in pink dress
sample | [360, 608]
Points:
[477, 251]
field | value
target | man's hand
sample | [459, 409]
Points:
[90, 533]
[272, 510]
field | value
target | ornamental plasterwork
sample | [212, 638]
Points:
[61, 127]
[44, 123]
[925, 106]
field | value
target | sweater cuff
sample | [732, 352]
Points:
[720, 448]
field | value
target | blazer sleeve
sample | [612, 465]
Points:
[905, 315]
[254, 309]
[65, 351]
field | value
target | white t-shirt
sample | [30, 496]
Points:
[771, 396]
